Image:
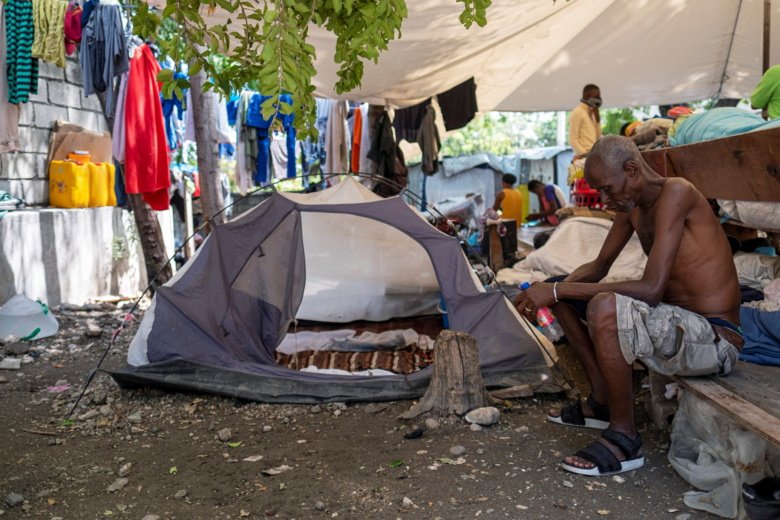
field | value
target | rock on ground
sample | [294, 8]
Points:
[486, 416]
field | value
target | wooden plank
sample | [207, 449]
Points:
[758, 384]
[740, 167]
[744, 413]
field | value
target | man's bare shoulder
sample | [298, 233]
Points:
[680, 193]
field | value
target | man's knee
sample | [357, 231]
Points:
[602, 310]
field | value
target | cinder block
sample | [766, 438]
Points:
[43, 92]
[26, 114]
[89, 120]
[73, 72]
[65, 94]
[20, 165]
[91, 102]
[33, 192]
[46, 115]
[49, 71]
[35, 140]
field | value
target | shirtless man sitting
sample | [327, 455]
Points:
[681, 318]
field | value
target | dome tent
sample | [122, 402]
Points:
[337, 256]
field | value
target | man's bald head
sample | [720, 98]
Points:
[610, 154]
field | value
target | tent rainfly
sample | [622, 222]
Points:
[340, 255]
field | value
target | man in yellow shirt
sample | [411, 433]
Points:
[585, 121]
[509, 200]
[767, 94]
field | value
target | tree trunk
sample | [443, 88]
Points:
[456, 386]
[146, 222]
[152, 244]
[205, 118]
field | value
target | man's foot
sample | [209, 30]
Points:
[612, 453]
[587, 414]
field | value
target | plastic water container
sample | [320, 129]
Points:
[101, 185]
[68, 184]
[26, 319]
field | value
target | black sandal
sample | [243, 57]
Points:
[605, 461]
[572, 415]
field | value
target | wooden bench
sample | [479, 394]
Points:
[749, 396]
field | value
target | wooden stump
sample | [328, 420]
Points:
[456, 386]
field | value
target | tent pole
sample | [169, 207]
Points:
[767, 25]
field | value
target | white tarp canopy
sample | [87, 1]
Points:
[536, 55]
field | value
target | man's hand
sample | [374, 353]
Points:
[535, 297]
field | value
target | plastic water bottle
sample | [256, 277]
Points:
[545, 320]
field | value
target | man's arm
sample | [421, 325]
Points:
[499, 199]
[676, 201]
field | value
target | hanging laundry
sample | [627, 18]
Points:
[118, 135]
[458, 104]
[365, 140]
[246, 145]
[255, 119]
[357, 133]
[336, 141]
[21, 67]
[49, 23]
[232, 109]
[9, 112]
[279, 160]
[173, 132]
[72, 28]
[103, 53]
[383, 146]
[87, 9]
[430, 144]
[146, 161]
[407, 121]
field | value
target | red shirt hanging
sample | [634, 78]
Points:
[146, 151]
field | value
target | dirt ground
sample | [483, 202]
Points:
[153, 455]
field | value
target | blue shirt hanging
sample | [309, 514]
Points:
[255, 119]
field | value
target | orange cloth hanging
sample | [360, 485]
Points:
[354, 163]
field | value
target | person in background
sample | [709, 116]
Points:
[585, 121]
[509, 200]
[551, 199]
[767, 94]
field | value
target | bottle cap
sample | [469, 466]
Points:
[525, 285]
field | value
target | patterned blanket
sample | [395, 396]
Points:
[402, 361]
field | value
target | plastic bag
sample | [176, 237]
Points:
[713, 454]
[26, 319]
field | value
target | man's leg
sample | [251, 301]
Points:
[578, 336]
[615, 373]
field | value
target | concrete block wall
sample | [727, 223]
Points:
[60, 96]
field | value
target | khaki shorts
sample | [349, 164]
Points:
[671, 340]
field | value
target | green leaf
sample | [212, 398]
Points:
[165, 75]
[397, 463]
[234, 444]
[67, 422]
[173, 470]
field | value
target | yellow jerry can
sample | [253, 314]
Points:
[101, 185]
[68, 184]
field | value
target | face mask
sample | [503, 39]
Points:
[594, 102]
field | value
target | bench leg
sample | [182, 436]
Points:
[660, 409]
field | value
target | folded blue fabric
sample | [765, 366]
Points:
[717, 123]
[762, 336]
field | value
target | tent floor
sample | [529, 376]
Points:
[185, 376]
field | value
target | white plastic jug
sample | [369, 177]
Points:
[26, 319]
